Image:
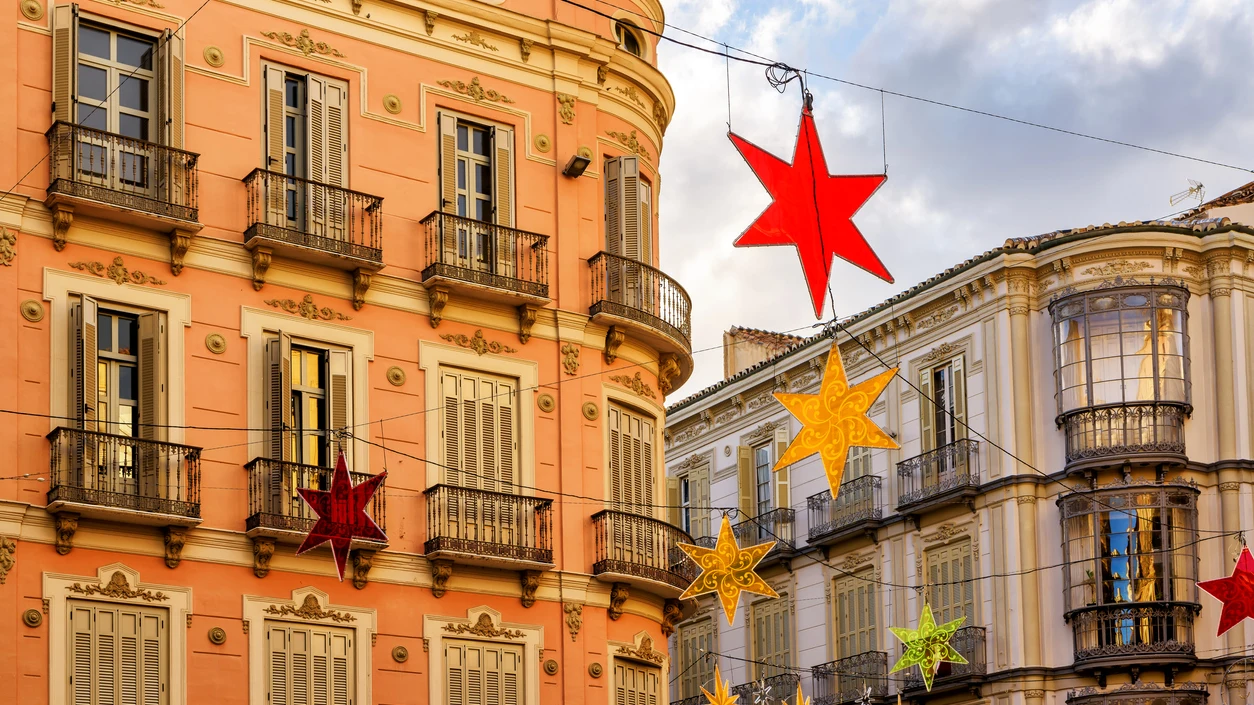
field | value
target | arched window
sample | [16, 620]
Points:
[628, 36]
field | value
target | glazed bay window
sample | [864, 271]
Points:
[1132, 568]
[1122, 371]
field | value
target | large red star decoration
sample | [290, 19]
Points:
[1236, 592]
[341, 514]
[812, 210]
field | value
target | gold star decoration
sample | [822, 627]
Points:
[801, 698]
[835, 420]
[727, 569]
[928, 646]
[721, 695]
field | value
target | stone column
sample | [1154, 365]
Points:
[1219, 269]
[1030, 615]
[1019, 285]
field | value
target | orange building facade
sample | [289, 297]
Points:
[258, 235]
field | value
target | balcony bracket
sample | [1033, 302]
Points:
[437, 299]
[618, 595]
[526, 319]
[667, 370]
[261, 265]
[263, 551]
[672, 613]
[872, 532]
[180, 241]
[175, 537]
[441, 571]
[613, 339]
[67, 524]
[362, 561]
[970, 502]
[530, 580]
[361, 284]
[62, 218]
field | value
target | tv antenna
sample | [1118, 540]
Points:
[1195, 190]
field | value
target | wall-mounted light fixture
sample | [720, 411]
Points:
[576, 166]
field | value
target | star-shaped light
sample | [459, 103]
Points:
[801, 698]
[721, 695]
[812, 210]
[342, 514]
[835, 420]
[1236, 592]
[727, 569]
[928, 646]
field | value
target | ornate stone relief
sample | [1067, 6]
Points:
[613, 339]
[672, 612]
[667, 370]
[437, 299]
[175, 537]
[119, 589]
[570, 358]
[635, 384]
[590, 411]
[8, 246]
[214, 56]
[643, 652]
[618, 596]
[478, 343]
[215, 343]
[603, 73]
[363, 560]
[475, 91]
[1117, 267]
[263, 551]
[117, 272]
[32, 310]
[361, 284]
[484, 628]
[310, 610]
[853, 560]
[473, 38]
[261, 264]
[304, 43]
[524, 49]
[392, 103]
[574, 618]
[441, 571]
[762, 433]
[629, 92]
[941, 352]
[66, 525]
[526, 321]
[566, 108]
[8, 550]
[631, 142]
[32, 10]
[530, 580]
[139, 3]
[429, 17]
[945, 532]
[306, 308]
[936, 318]
[660, 117]
[396, 376]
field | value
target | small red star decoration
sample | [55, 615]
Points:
[1236, 592]
[812, 210]
[341, 514]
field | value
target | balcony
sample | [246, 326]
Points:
[781, 687]
[848, 679]
[969, 642]
[858, 508]
[477, 527]
[1145, 693]
[276, 510]
[948, 474]
[1130, 634]
[642, 299]
[1147, 433]
[641, 552]
[485, 260]
[126, 180]
[313, 222]
[122, 478]
[775, 525]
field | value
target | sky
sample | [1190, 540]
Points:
[1168, 74]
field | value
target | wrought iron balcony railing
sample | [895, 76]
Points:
[848, 679]
[636, 291]
[121, 472]
[781, 687]
[775, 525]
[858, 501]
[487, 524]
[274, 505]
[1126, 429]
[641, 547]
[950, 468]
[120, 171]
[486, 254]
[319, 218]
[1133, 631]
[968, 641]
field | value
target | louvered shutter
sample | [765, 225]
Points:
[277, 666]
[621, 672]
[299, 671]
[276, 208]
[105, 658]
[674, 512]
[645, 472]
[633, 248]
[340, 403]
[927, 411]
[151, 418]
[503, 190]
[317, 154]
[613, 228]
[511, 676]
[327, 125]
[320, 667]
[950, 572]
[341, 669]
[170, 172]
[448, 171]
[746, 481]
[152, 653]
[279, 396]
[451, 427]
[64, 62]
[454, 674]
[618, 492]
[81, 660]
[85, 356]
[959, 369]
[701, 505]
[783, 494]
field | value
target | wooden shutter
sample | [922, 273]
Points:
[84, 358]
[645, 207]
[279, 396]
[951, 579]
[340, 403]
[927, 411]
[151, 403]
[613, 228]
[341, 668]
[746, 481]
[636, 685]
[631, 461]
[327, 128]
[275, 141]
[630, 203]
[959, 369]
[855, 615]
[117, 655]
[448, 170]
[479, 673]
[479, 429]
[451, 426]
[317, 153]
[81, 661]
[503, 199]
[277, 666]
[64, 62]
[674, 512]
[772, 636]
[618, 491]
[783, 495]
[699, 498]
[696, 642]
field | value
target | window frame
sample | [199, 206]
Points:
[436, 629]
[760, 610]
[116, 72]
[624, 29]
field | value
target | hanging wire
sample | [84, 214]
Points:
[727, 71]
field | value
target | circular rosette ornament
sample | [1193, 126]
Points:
[727, 570]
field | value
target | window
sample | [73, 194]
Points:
[943, 404]
[951, 582]
[628, 210]
[856, 606]
[763, 489]
[479, 430]
[309, 665]
[307, 399]
[772, 636]
[476, 186]
[308, 420]
[636, 684]
[696, 658]
[117, 654]
[685, 504]
[631, 461]
[858, 463]
[690, 494]
[294, 161]
[628, 38]
[482, 673]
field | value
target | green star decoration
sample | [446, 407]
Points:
[928, 646]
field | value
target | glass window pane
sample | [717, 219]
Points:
[291, 91]
[289, 164]
[1106, 369]
[126, 335]
[483, 209]
[1104, 322]
[296, 368]
[483, 179]
[1134, 320]
[93, 42]
[134, 52]
[133, 93]
[289, 136]
[132, 126]
[461, 206]
[463, 138]
[1107, 393]
[133, 169]
[93, 82]
[1173, 389]
[313, 370]
[1104, 346]
[461, 173]
[104, 332]
[313, 413]
[102, 383]
[481, 142]
[126, 422]
[128, 387]
[97, 118]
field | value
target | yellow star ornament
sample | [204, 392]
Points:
[801, 698]
[727, 570]
[835, 420]
[720, 696]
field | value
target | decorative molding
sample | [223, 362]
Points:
[437, 299]
[570, 358]
[526, 320]
[1117, 267]
[8, 550]
[8, 246]
[530, 580]
[215, 343]
[62, 219]
[302, 42]
[945, 532]
[1019, 310]
[361, 284]
[613, 339]
[672, 613]
[484, 628]
[175, 538]
[936, 318]
[692, 462]
[635, 384]
[595, 670]
[261, 264]
[590, 411]
[1034, 694]
[475, 91]
[310, 610]
[32, 618]
[306, 308]
[396, 376]
[400, 654]
[32, 10]
[574, 618]
[214, 56]
[392, 103]
[67, 525]
[1230, 487]
[585, 151]
[644, 652]
[542, 143]
[942, 351]
[546, 403]
[763, 432]
[32, 310]
[478, 343]
[138, 3]
[524, 49]
[263, 551]
[550, 667]
[117, 272]
[217, 636]
[1026, 499]
[629, 92]
[631, 142]
[429, 17]
[603, 73]
[118, 589]
[441, 571]
[566, 108]
[363, 560]
[619, 592]
[660, 117]
[1197, 272]
[667, 369]
[853, 560]
[473, 38]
